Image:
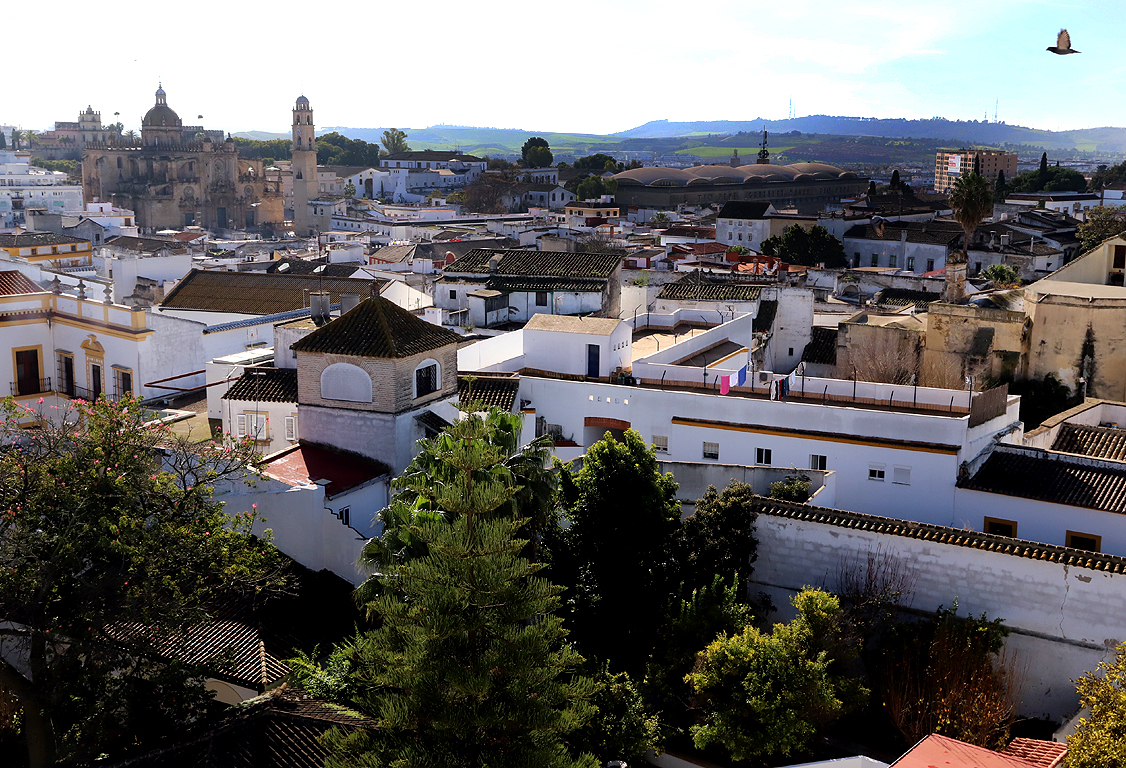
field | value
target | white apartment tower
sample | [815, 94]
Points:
[304, 166]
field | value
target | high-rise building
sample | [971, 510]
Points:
[948, 166]
[304, 166]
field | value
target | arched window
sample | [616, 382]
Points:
[119, 162]
[427, 377]
[344, 381]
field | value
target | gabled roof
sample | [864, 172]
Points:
[822, 346]
[743, 209]
[701, 286]
[308, 462]
[306, 267]
[147, 244]
[279, 729]
[936, 750]
[1100, 442]
[945, 233]
[499, 391]
[32, 239]
[265, 385]
[903, 297]
[1046, 754]
[1031, 473]
[526, 263]
[257, 293]
[377, 327]
[14, 283]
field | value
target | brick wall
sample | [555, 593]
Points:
[392, 379]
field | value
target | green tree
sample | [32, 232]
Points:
[593, 186]
[466, 665]
[614, 556]
[972, 202]
[17, 136]
[94, 537]
[1105, 177]
[349, 189]
[658, 220]
[1100, 739]
[769, 694]
[622, 727]
[793, 488]
[1000, 190]
[395, 141]
[1002, 275]
[894, 179]
[536, 153]
[811, 247]
[597, 162]
[3, 141]
[1102, 222]
[1043, 164]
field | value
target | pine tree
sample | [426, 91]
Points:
[1044, 164]
[467, 665]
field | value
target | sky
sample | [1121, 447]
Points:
[575, 67]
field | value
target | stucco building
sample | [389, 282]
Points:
[948, 166]
[181, 176]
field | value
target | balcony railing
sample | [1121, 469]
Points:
[25, 387]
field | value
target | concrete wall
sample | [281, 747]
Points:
[695, 477]
[951, 329]
[1065, 619]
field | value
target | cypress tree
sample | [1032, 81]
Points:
[1044, 164]
[999, 188]
[895, 179]
[467, 665]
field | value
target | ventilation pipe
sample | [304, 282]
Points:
[348, 301]
[319, 304]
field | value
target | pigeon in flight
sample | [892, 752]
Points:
[1063, 44]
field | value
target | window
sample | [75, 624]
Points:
[891, 260]
[901, 475]
[661, 444]
[930, 265]
[1119, 257]
[453, 295]
[762, 456]
[426, 380]
[257, 426]
[291, 428]
[910, 263]
[1087, 541]
[791, 351]
[999, 527]
[876, 472]
[711, 450]
[817, 461]
[740, 235]
[875, 260]
[541, 298]
[240, 425]
[122, 382]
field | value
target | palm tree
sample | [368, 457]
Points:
[31, 136]
[131, 135]
[17, 135]
[972, 201]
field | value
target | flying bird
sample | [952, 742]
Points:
[1063, 44]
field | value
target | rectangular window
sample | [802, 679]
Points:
[711, 451]
[901, 475]
[240, 425]
[817, 461]
[453, 294]
[875, 260]
[426, 380]
[910, 263]
[541, 298]
[999, 527]
[257, 426]
[1119, 257]
[891, 260]
[291, 428]
[661, 443]
[876, 472]
[1087, 541]
[930, 265]
[762, 456]
[64, 370]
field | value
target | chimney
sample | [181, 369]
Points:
[955, 278]
[494, 263]
[348, 301]
[1005, 239]
[319, 303]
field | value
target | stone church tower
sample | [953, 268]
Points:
[304, 166]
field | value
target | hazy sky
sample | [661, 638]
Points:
[580, 66]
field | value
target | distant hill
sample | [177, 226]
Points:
[485, 141]
[261, 135]
[989, 134]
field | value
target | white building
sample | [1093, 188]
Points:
[23, 186]
[743, 222]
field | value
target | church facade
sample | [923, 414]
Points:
[181, 176]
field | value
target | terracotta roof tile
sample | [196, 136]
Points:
[1100, 442]
[490, 390]
[700, 286]
[743, 209]
[523, 263]
[307, 463]
[14, 283]
[1047, 754]
[937, 750]
[1031, 473]
[265, 385]
[377, 327]
[256, 293]
[32, 239]
[822, 346]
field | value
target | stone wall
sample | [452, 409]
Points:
[392, 379]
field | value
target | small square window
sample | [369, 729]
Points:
[875, 260]
[762, 456]
[817, 461]
[998, 527]
[876, 472]
[1087, 541]
[453, 294]
[661, 443]
[541, 298]
[901, 475]
[711, 451]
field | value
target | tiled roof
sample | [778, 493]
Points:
[1046, 754]
[279, 729]
[743, 209]
[936, 750]
[13, 283]
[700, 286]
[1031, 473]
[306, 267]
[256, 293]
[1100, 442]
[822, 346]
[764, 320]
[960, 537]
[946, 233]
[903, 297]
[524, 284]
[265, 385]
[432, 422]
[525, 263]
[685, 231]
[31, 239]
[307, 462]
[146, 244]
[490, 390]
[432, 154]
[377, 328]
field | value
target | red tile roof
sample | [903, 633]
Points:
[307, 463]
[13, 283]
[1048, 754]
[936, 750]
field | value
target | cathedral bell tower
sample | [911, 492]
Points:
[304, 166]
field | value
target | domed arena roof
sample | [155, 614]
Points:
[655, 176]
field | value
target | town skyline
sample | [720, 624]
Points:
[643, 61]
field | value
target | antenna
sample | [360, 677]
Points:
[995, 101]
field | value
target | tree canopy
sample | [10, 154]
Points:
[274, 149]
[1049, 179]
[395, 141]
[972, 201]
[337, 149]
[811, 247]
[536, 153]
[98, 532]
[1002, 275]
[1099, 741]
[1102, 222]
[1114, 175]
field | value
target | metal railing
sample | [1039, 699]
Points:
[25, 387]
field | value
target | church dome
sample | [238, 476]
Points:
[161, 115]
[302, 100]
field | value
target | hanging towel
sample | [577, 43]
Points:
[741, 377]
[724, 384]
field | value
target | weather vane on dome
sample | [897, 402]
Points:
[763, 155]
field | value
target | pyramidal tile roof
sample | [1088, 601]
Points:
[377, 327]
